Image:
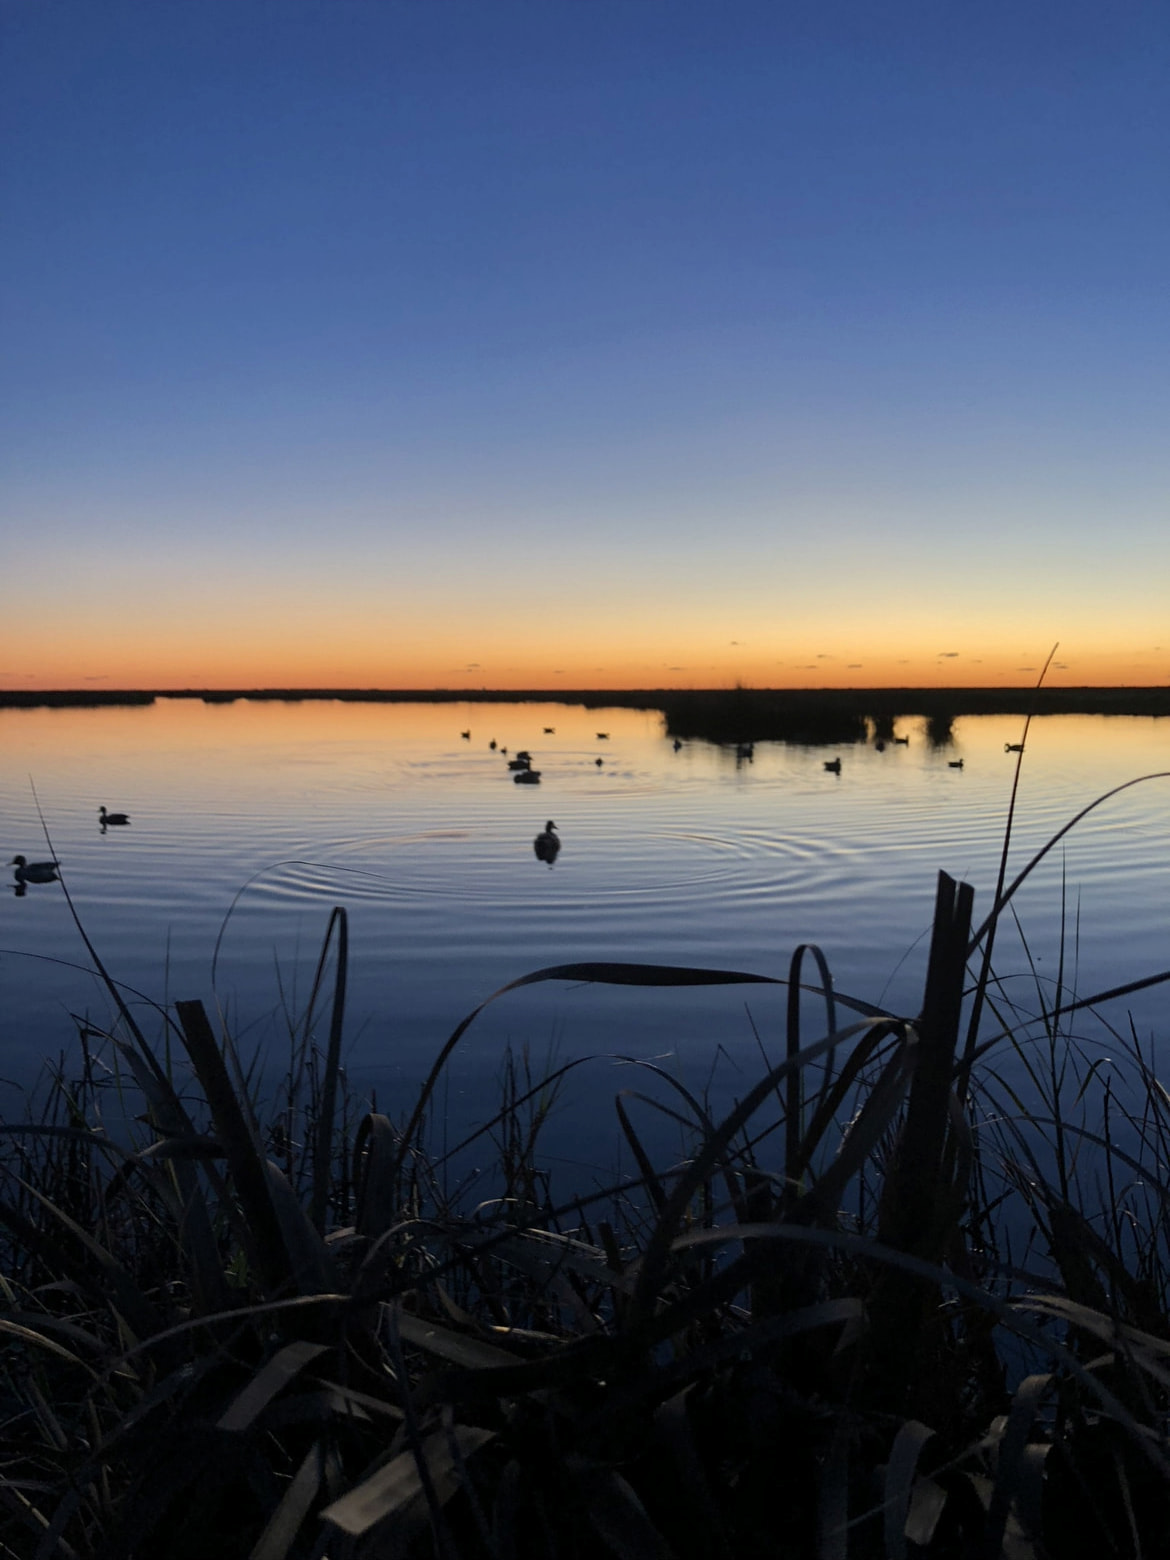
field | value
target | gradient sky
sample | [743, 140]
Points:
[573, 343]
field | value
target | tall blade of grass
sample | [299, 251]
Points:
[323, 1157]
[1013, 1470]
[901, 1473]
[919, 1211]
[794, 1124]
[287, 1520]
[276, 1374]
[398, 1486]
[246, 1162]
[1004, 897]
[993, 921]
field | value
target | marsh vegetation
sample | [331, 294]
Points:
[909, 1296]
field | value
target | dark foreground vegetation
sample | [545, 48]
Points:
[911, 1297]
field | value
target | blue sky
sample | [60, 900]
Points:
[412, 343]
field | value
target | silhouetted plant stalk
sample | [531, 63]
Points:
[899, 1301]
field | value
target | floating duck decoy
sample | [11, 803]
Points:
[954, 763]
[112, 820]
[1013, 747]
[34, 871]
[547, 844]
[527, 777]
[833, 765]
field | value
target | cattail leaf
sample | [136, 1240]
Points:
[398, 1484]
[37, 1339]
[273, 1377]
[901, 1470]
[459, 1349]
[286, 1521]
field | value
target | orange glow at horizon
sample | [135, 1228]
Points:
[216, 664]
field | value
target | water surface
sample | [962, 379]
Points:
[251, 820]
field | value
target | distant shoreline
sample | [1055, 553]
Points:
[727, 714]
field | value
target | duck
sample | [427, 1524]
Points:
[833, 765]
[492, 744]
[527, 777]
[521, 761]
[547, 844]
[599, 762]
[903, 741]
[677, 744]
[34, 871]
[603, 736]
[114, 820]
[550, 731]
[954, 763]
[1013, 747]
[466, 735]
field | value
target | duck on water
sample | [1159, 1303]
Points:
[546, 844]
[34, 871]
[112, 820]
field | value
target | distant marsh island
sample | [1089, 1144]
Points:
[813, 715]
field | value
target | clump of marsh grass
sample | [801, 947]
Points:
[905, 1299]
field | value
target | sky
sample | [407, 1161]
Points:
[583, 343]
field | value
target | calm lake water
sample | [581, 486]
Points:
[251, 820]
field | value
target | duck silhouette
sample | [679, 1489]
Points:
[833, 765]
[112, 820]
[34, 871]
[954, 763]
[527, 777]
[547, 844]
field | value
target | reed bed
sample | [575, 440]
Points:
[909, 1297]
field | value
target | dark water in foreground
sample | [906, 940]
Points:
[250, 821]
